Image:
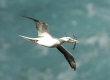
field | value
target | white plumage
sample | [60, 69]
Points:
[47, 40]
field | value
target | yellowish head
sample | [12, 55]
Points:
[69, 39]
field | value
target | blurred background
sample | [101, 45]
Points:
[89, 20]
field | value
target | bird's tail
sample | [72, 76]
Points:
[29, 39]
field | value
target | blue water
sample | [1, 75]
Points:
[89, 20]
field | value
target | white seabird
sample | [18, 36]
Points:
[46, 39]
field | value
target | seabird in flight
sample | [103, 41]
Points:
[47, 40]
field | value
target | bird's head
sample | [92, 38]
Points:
[69, 39]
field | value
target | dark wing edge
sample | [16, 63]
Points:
[40, 26]
[35, 20]
[30, 18]
[68, 56]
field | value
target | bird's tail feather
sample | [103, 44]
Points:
[29, 39]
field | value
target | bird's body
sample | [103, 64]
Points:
[49, 42]
[45, 39]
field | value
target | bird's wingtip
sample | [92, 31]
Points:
[29, 18]
[20, 35]
[22, 15]
[23, 36]
[27, 38]
[73, 65]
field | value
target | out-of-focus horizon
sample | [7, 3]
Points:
[24, 60]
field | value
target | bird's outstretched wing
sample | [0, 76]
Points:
[68, 56]
[41, 27]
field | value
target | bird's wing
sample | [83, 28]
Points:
[68, 56]
[41, 27]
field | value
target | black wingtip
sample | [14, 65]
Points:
[73, 65]
[30, 18]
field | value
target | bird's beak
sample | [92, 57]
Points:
[73, 40]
